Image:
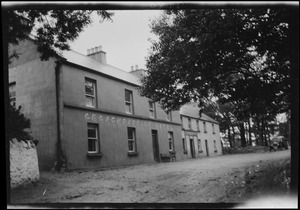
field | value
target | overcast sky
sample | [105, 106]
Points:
[125, 39]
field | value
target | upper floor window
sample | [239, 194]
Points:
[169, 116]
[171, 141]
[90, 93]
[131, 140]
[204, 127]
[190, 123]
[128, 102]
[197, 123]
[93, 139]
[152, 109]
[12, 94]
[213, 128]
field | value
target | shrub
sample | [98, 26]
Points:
[16, 123]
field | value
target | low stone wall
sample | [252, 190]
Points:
[24, 167]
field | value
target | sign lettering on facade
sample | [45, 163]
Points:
[121, 121]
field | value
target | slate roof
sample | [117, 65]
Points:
[191, 110]
[85, 61]
[79, 59]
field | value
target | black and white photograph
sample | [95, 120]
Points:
[151, 104]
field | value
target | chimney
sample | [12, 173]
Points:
[97, 54]
[132, 68]
[136, 67]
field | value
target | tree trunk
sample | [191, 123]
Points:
[229, 137]
[233, 136]
[249, 132]
[242, 133]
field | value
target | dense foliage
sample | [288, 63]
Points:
[239, 55]
[16, 124]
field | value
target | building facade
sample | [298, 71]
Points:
[90, 113]
[200, 135]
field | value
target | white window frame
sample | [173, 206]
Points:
[129, 103]
[91, 126]
[12, 94]
[171, 141]
[133, 140]
[200, 146]
[91, 96]
[152, 111]
[169, 115]
[190, 123]
[204, 127]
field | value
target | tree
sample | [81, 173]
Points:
[234, 54]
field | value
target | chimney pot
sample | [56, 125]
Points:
[96, 49]
[136, 67]
[88, 51]
[132, 68]
[92, 50]
[100, 48]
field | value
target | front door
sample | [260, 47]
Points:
[206, 146]
[192, 147]
[155, 145]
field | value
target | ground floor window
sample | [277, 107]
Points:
[215, 146]
[199, 146]
[171, 141]
[93, 139]
[184, 145]
[131, 140]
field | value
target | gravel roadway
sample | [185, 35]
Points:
[223, 179]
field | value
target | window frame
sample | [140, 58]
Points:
[152, 110]
[204, 127]
[184, 146]
[95, 139]
[130, 103]
[215, 146]
[169, 116]
[190, 123]
[171, 141]
[131, 140]
[87, 95]
[12, 99]
[198, 125]
[200, 150]
[213, 128]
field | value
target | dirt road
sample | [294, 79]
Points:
[228, 178]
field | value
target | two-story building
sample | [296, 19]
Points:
[200, 135]
[90, 114]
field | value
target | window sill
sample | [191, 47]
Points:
[94, 154]
[133, 154]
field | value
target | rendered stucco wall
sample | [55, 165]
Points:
[23, 163]
[36, 94]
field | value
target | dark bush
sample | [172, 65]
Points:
[16, 123]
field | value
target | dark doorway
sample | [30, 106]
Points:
[192, 147]
[155, 146]
[206, 146]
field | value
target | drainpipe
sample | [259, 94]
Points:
[59, 152]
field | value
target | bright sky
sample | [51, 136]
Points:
[125, 40]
